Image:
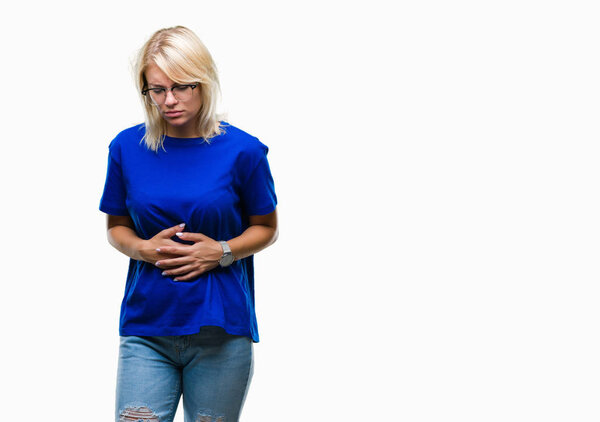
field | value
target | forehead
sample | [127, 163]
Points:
[155, 76]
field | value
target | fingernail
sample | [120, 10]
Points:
[164, 273]
[157, 263]
[179, 234]
[182, 225]
[157, 249]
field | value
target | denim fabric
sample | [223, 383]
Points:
[212, 369]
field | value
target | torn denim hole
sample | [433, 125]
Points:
[138, 414]
[209, 418]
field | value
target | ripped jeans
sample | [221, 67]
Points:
[212, 369]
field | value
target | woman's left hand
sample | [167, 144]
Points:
[193, 260]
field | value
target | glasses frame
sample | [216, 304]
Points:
[145, 91]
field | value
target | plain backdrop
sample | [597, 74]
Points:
[436, 164]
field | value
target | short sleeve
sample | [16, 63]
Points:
[258, 189]
[114, 197]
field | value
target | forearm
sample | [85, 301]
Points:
[126, 241]
[158, 250]
[254, 239]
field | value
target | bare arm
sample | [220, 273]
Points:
[121, 235]
[263, 232]
[205, 253]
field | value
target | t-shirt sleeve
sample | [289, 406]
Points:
[258, 189]
[113, 199]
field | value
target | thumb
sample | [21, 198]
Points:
[170, 232]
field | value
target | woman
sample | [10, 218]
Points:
[189, 199]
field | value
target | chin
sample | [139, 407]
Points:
[177, 121]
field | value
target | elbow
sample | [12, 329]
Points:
[275, 235]
[110, 238]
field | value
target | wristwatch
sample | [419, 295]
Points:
[227, 258]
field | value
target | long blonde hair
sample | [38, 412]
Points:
[180, 54]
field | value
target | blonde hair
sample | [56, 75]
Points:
[180, 54]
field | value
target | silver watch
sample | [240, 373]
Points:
[227, 258]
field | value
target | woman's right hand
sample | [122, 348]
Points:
[148, 248]
[122, 235]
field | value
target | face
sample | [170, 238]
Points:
[180, 116]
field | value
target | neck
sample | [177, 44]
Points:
[182, 132]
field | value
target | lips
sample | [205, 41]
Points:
[173, 113]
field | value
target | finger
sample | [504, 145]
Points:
[174, 250]
[189, 276]
[170, 232]
[183, 270]
[194, 237]
[169, 242]
[161, 256]
[173, 262]
[195, 273]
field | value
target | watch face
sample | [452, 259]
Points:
[226, 260]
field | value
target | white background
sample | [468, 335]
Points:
[436, 164]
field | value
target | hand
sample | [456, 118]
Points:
[149, 248]
[192, 260]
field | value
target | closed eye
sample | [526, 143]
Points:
[180, 88]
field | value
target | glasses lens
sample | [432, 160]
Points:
[157, 95]
[183, 92]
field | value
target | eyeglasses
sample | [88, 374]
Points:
[180, 92]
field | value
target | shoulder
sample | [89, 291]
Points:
[241, 141]
[247, 150]
[127, 141]
[133, 134]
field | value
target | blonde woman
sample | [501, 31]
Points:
[190, 199]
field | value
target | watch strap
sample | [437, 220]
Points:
[227, 257]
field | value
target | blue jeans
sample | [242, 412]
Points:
[212, 369]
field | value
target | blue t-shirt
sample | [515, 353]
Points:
[211, 187]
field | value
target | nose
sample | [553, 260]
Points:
[170, 98]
